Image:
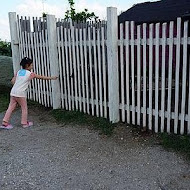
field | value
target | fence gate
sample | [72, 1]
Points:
[83, 67]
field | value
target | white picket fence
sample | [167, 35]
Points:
[134, 74]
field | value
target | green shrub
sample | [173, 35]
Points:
[5, 48]
[178, 143]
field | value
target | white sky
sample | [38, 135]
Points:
[57, 8]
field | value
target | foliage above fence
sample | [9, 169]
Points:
[84, 15]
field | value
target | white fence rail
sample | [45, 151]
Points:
[135, 74]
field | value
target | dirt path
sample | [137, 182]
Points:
[51, 156]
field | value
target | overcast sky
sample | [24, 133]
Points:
[57, 8]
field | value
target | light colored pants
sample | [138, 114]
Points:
[12, 105]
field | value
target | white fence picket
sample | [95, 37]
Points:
[99, 73]
[90, 67]
[22, 40]
[60, 67]
[184, 80]
[45, 68]
[48, 68]
[104, 72]
[144, 73]
[67, 67]
[64, 77]
[74, 64]
[150, 74]
[133, 71]
[157, 77]
[19, 38]
[28, 55]
[78, 69]
[163, 75]
[170, 75]
[139, 75]
[177, 74]
[95, 72]
[127, 70]
[71, 74]
[31, 86]
[86, 70]
[37, 68]
[82, 70]
[122, 74]
[42, 68]
[35, 87]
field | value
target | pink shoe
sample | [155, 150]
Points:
[7, 126]
[29, 124]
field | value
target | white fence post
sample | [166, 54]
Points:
[53, 58]
[112, 53]
[14, 41]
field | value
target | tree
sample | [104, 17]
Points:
[5, 48]
[80, 16]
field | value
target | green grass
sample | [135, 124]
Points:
[177, 143]
[76, 117]
[4, 97]
[6, 73]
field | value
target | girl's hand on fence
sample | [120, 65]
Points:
[54, 78]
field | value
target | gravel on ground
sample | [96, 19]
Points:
[54, 156]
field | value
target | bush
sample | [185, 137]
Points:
[5, 48]
[178, 143]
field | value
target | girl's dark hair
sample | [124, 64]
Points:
[26, 61]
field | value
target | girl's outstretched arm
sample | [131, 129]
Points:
[46, 77]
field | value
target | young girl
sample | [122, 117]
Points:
[19, 91]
